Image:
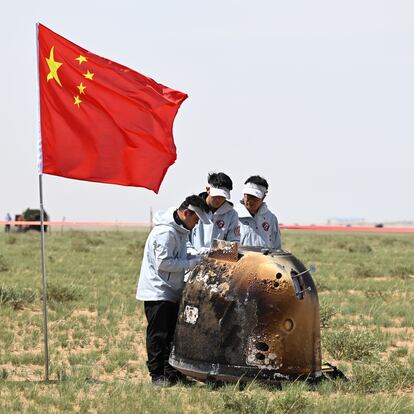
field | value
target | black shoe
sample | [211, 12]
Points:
[163, 382]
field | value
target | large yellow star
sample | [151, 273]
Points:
[53, 66]
[88, 75]
[81, 88]
[77, 101]
[81, 59]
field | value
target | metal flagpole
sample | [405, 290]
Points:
[42, 218]
[44, 285]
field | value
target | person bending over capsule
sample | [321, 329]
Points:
[161, 282]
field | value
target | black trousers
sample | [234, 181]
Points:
[162, 318]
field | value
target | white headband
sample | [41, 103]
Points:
[202, 215]
[255, 190]
[219, 191]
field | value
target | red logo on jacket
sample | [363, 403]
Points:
[266, 226]
[220, 224]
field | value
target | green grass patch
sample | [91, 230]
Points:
[97, 328]
[63, 293]
[4, 264]
[17, 297]
[352, 345]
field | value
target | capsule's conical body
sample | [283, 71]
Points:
[247, 314]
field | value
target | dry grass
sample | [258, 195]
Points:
[96, 329]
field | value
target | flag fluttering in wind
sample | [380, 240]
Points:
[101, 121]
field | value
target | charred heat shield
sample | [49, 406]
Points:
[248, 314]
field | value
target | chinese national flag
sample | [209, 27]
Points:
[101, 121]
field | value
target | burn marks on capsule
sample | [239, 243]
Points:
[250, 323]
[263, 352]
[262, 346]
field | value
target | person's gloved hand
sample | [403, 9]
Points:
[192, 263]
[204, 250]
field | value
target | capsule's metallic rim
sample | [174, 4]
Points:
[203, 371]
[270, 252]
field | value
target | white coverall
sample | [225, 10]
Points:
[262, 230]
[165, 260]
[224, 226]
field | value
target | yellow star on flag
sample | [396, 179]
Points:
[81, 59]
[77, 101]
[88, 75]
[81, 88]
[53, 66]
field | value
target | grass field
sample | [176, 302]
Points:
[96, 328]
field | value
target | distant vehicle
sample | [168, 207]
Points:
[30, 214]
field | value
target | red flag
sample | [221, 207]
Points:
[101, 121]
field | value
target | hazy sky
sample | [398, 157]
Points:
[316, 96]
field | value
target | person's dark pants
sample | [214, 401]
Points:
[162, 318]
[7, 228]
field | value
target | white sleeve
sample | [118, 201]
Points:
[165, 251]
[233, 233]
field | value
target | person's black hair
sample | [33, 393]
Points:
[195, 201]
[220, 180]
[256, 179]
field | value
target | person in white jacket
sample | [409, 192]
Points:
[224, 222]
[258, 225]
[161, 281]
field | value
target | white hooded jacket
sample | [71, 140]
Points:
[224, 226]
[165, 260]
[262, 230]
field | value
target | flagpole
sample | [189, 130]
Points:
[44, 285]
[42, 218]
